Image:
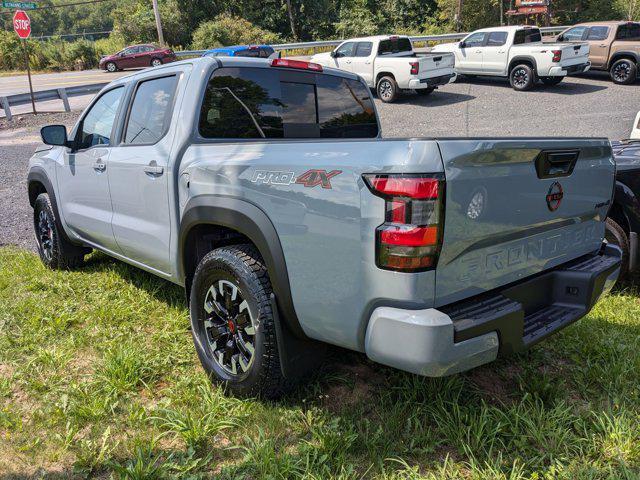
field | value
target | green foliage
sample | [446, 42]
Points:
[110, 45]
[11, 56]
[230, 30]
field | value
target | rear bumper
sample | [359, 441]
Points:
[571, 70]
[467, 334]
[417, 84]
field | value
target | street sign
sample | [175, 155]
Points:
[20, 5]
[22, 24]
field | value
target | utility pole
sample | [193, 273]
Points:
[459, 15]
[156, 13]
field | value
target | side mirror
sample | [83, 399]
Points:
[55, 135]
[463, 45]
[560, 38]
[334, 54]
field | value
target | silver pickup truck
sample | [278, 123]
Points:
[264, 188]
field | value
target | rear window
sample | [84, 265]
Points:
[528, 35]
[248, 52]
[395, 45]
[628, 31]
[272, 103]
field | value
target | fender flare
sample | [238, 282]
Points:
[520, 58]
[621, 54]
[252, 222]
[629, 205]
[39, 175]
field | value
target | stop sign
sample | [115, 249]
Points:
[22, 24]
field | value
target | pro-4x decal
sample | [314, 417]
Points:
[310, 178]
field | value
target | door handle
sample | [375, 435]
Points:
[153, 170]
[99, 166]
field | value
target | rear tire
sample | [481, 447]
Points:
[522, 77]
[616, 235]
[387, 89]
[551, 81]
[232, 322]
[55, 251]
[624, 72]
[423, 92]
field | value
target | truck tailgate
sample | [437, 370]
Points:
[434, 65]
[572, 53]
[515, 208]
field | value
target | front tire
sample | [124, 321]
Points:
[551, 81]
[156, 62]
[624, 72]
[55, 251]
[232, 322]
[111, 67]
[522, 77]
[387, 89]
[616, 235]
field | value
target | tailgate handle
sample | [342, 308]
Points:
[437, 59]
[556, 163]
[576, 48]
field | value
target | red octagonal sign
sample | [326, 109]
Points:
[22, 24]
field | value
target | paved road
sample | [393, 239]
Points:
[589, 106]
[48, 81]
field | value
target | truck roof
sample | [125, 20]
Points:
[373, 38]
[223, 62]
[509, 28]
[608, 22]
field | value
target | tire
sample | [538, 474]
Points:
[156, 62]
[423, 92]
[55, 251]
[111, 67]
[624, 72]
[248, 365]
[551, 81]
[522, 77]
[616, 235]
[387, 89]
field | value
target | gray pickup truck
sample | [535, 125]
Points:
[264, 188]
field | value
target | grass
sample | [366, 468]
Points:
[99, 379]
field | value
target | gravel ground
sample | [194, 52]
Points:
[586, 106]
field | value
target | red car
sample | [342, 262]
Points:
[137, 56]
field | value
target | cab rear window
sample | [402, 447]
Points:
[395, 45]
[528, 35]
[248, 102]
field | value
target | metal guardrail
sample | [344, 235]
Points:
[334, 43]
[45, 95]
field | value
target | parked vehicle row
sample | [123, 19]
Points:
[389, 65]
[265, 189]
[519, 54]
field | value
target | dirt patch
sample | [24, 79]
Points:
[354, 383]
[496, 388]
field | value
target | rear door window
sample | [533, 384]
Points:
[272, 103]
[363, 49]
[150, 111]
[497, 39]
[395, 45]
[598, 33]
[527, 35]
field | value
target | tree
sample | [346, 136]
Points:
[229, 30]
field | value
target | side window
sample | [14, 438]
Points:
[364, 49]
[150, 111]
[266, 103]
[574, 34]
[628, 31]
[497, 39]
[346, 49]
[474, 40]
[598, 33]
[394, 45]
[98, 122]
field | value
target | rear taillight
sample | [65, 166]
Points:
[299, 64]
[557, 55]
[415, 68]
[409, 239]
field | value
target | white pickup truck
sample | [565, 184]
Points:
[390, 65]
[517, 52]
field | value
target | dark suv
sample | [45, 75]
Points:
[137, 56]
